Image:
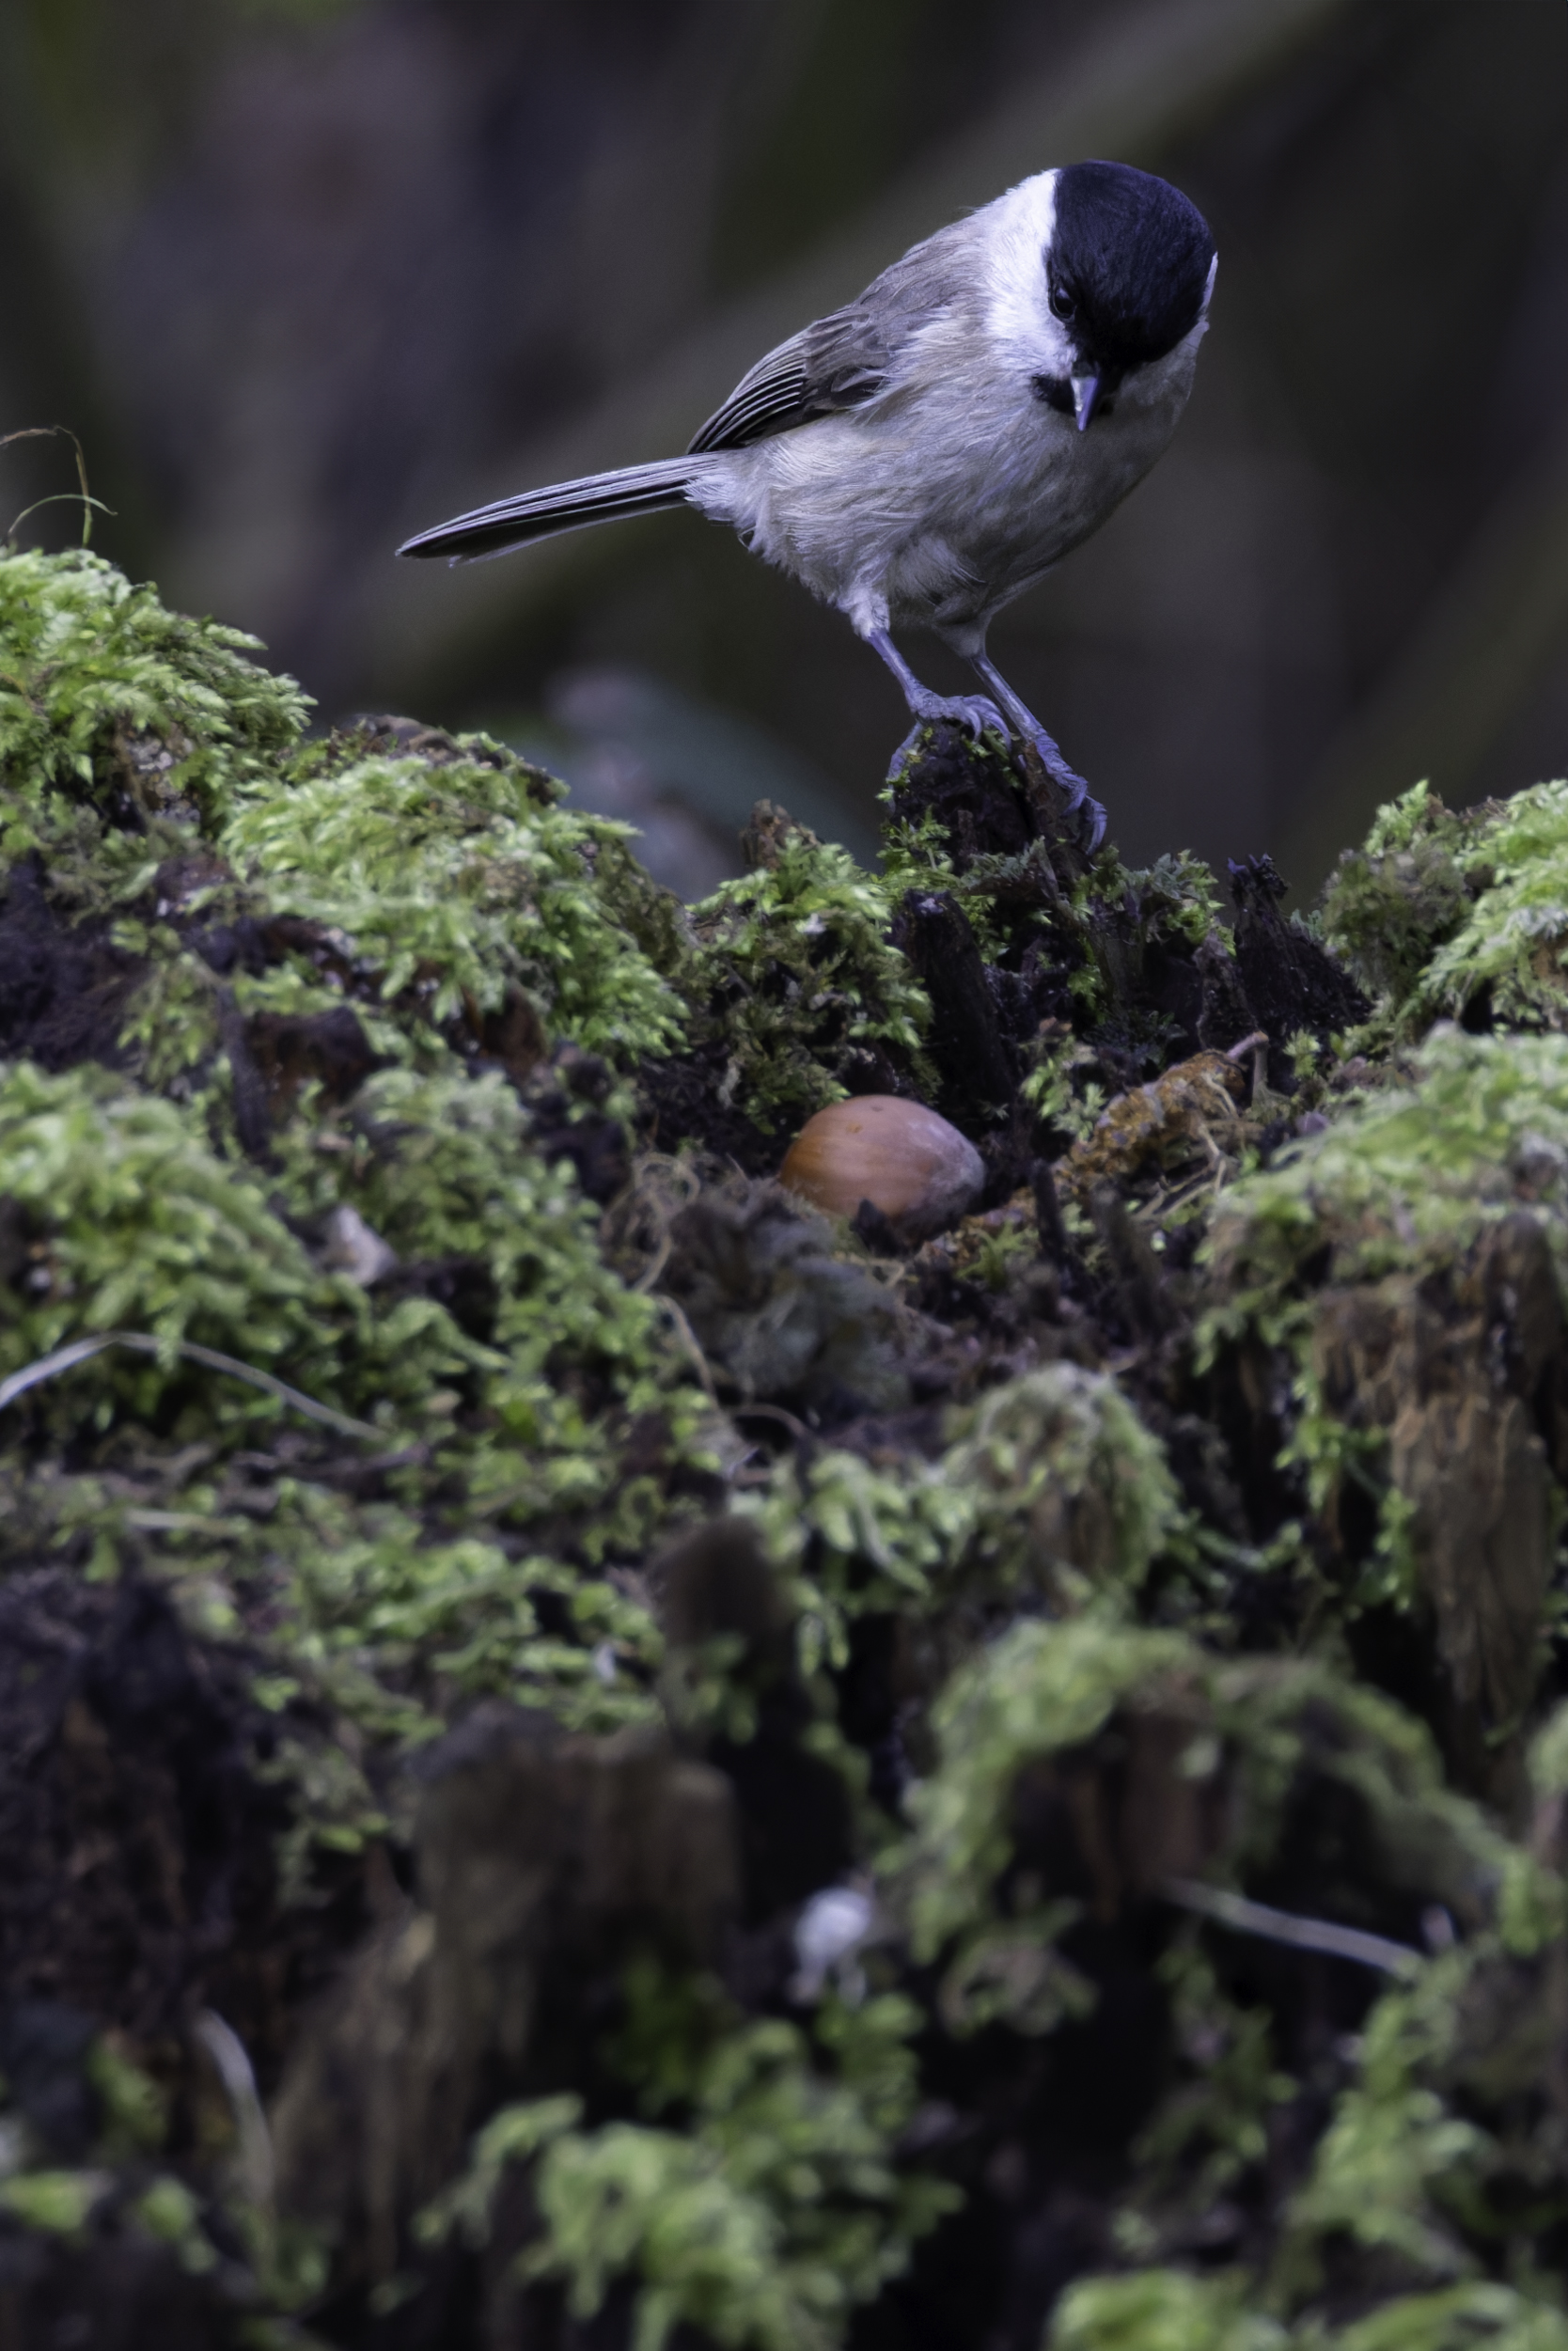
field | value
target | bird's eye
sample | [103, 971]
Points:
[1063, 304]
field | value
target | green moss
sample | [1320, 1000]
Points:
[383, 1613]
[746, 2177]
[1511, 943]
[1389, 906]
[1044, 1687]
[1210, 2128]
[442, 1167]
[1396, 2161]
[1072, 1494]
[1477, 2316]
[1405, 1172]
[117, 713]
[1162, 2310]
[793, 976]
[1548, 1755]
[1170, 2309]
[764, 2221]
[120, 1217]
[170, 2213]
[1447, 914]
[1051, 1487]
[852, 1538]
[56, 2203]
[126, 1220]
[135, 2109]
[448, 882]
[1041, 1687]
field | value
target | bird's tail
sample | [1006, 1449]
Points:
[491, 530]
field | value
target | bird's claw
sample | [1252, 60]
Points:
[1068, 781]
[974, 712]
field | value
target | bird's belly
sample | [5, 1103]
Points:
[1046, 489]
[945, 510]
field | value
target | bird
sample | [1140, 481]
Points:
[920, 457]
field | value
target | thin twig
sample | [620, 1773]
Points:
[257, 2173]
[1284, 1926]
[82, 1350]
[688, 1339]
[59, 498]
[797, 1429]
[48, 432]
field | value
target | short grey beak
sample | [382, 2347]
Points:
[1085, 400]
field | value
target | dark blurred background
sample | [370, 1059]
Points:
[306, 274]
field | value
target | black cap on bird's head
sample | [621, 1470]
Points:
[1127, 268]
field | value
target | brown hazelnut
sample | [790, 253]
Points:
[922, 1172]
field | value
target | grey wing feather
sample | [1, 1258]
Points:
[847, 358]
[837, 363]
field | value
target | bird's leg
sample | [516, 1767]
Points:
[970, 711]
[1028, 727]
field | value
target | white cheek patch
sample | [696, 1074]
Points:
[1018, 228]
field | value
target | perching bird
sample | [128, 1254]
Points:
[922, 456]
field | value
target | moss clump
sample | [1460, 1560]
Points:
[1162, 2310]
[1086, 1773]
[1390, 905]
[1042, 1688]
[776, 2207]
[396, 887]
[1510, 949]
[1074, 1496]
[451, 882]
[1046, 1689]
[1051, 1492]
[122, 1218]
[1460, 914]
[443, 1169]
[386, 1023]
[401, 1628]
[1411, 2184]
[796, 984]
[117, 713]
[1173, 2309]
[1479, 1128]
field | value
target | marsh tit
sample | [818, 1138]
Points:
[922, 456]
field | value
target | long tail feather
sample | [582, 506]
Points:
[491, 530]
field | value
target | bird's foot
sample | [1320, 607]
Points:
[1069, 782]
[974, 712]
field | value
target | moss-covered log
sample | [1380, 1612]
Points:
[593, 1758]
